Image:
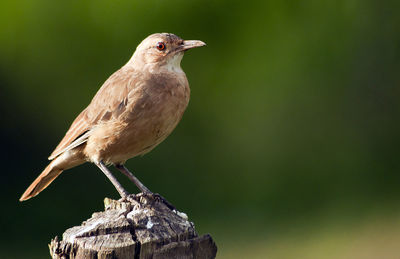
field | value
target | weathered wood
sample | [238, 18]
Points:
[140, 227]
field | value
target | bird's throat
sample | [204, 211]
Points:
[173, 64]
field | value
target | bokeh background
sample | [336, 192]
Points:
[289, 147]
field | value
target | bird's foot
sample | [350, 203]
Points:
[128, 197]
[145, 198]
[160, 198]
[157, 198]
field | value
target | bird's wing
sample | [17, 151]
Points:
[79, 127]
[111, 99]
[109, 102]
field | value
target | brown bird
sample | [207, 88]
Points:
[134, 111]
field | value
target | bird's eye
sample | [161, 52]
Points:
[161, 46]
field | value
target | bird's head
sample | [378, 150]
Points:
[163, 49]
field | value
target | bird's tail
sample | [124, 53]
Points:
[42, 181]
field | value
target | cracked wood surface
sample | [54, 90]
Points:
[142, 227]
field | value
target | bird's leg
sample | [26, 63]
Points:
[133, 178]
[113, 180]
[143, 188]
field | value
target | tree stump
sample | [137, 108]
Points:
[142, 226]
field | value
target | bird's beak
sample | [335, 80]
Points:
[190, 44]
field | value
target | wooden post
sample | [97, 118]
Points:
[141, 227]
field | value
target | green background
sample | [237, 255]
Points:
[289, 147]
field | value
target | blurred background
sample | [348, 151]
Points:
[289, 147]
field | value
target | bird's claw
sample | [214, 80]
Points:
[158, 198]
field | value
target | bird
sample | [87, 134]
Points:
[135, 109]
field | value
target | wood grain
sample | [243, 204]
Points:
[140, 227]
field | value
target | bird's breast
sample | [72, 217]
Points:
[152, 112]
